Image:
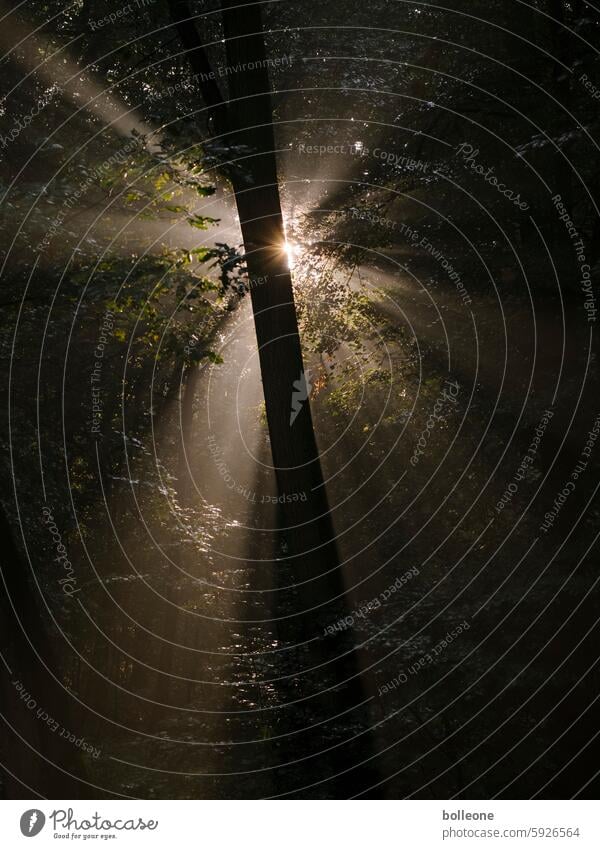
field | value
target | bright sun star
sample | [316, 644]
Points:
[291, 251]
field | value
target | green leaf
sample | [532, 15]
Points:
[199, 222]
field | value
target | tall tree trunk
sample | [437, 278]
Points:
[294, 449]
[23, 681]
[247, 122]
[309, 552]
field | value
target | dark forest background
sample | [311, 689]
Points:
[161, 635]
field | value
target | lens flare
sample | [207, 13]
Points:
[292, 251]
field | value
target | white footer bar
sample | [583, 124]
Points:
[301, 824]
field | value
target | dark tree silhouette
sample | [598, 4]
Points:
[245, 124]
